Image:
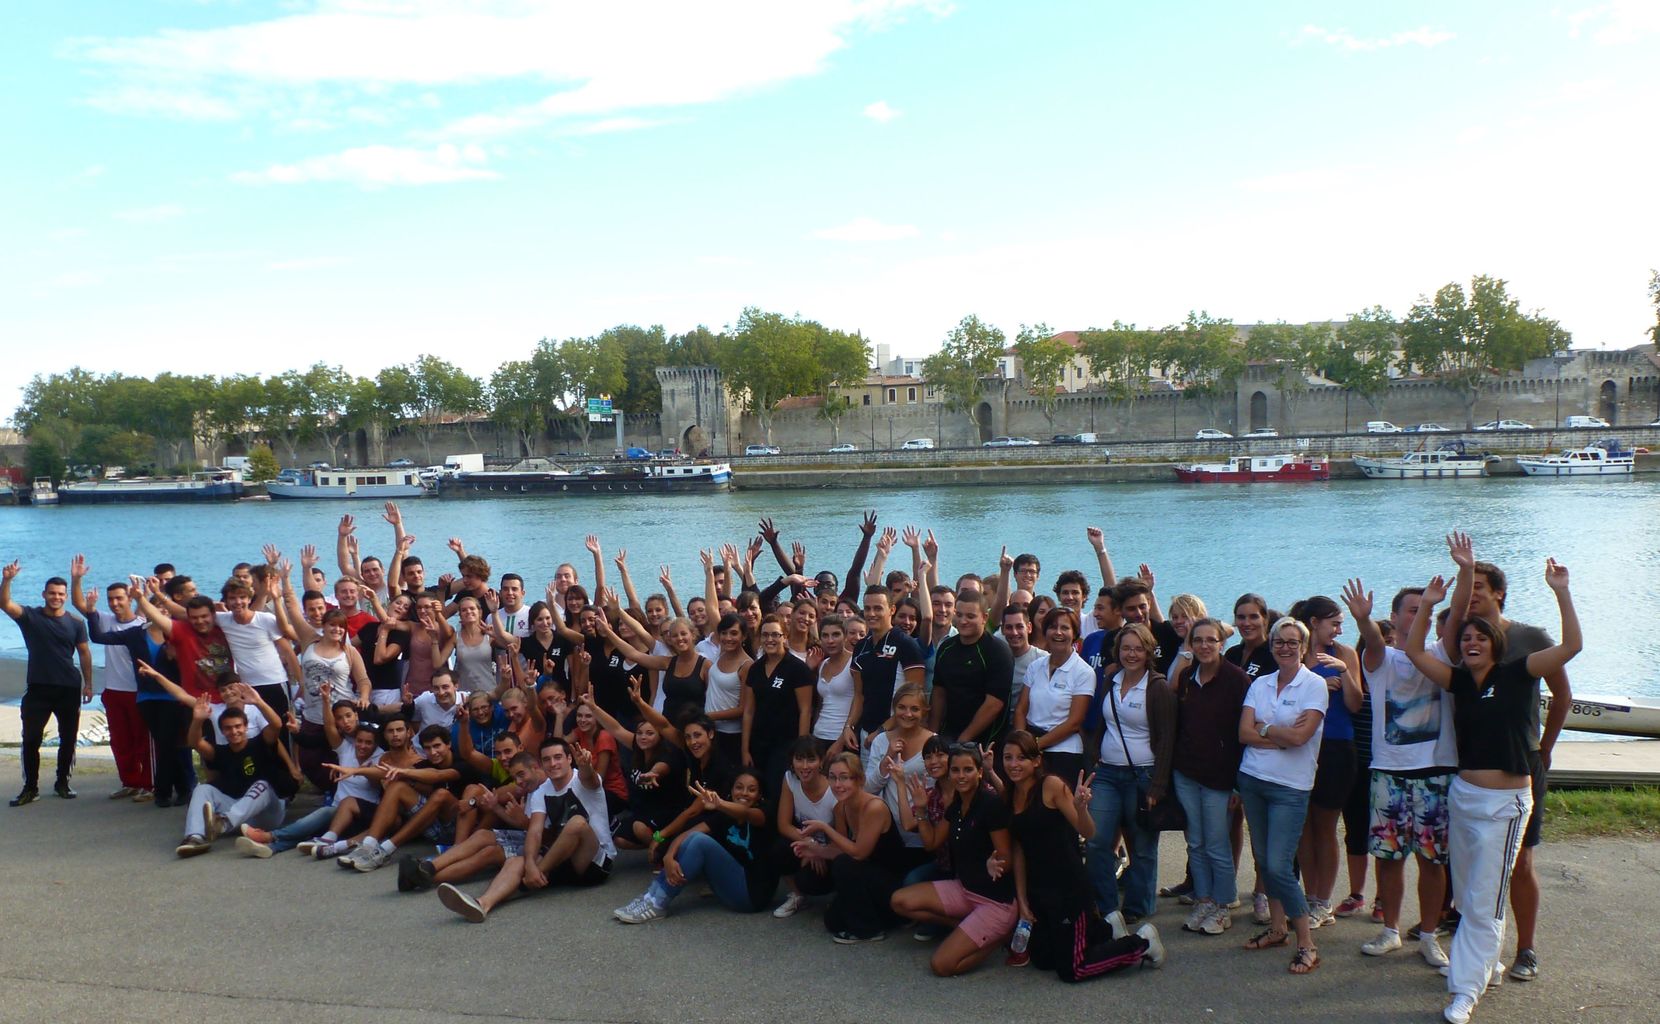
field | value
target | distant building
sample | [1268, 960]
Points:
[891, 389]
[1077, 376]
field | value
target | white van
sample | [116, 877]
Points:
[1381, 427]
[1577, 422]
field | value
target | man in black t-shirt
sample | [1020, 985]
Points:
[878, 660]
[1134, 600]
[55, 689]
[425, 798]
[973, 673]
[246, 770]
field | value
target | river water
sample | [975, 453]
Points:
[1285, 541]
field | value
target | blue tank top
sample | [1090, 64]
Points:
[1338, 724]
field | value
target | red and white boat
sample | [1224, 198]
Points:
[1256, 469]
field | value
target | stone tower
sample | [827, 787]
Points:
[698, 413]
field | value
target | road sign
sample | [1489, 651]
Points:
[599, 409]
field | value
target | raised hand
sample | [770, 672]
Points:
[1081, 795]
[707, 557]
[1097, 539]
[272, 555]
[351, 546]
[1462, 550]
[1145, 573]
[392, 515]
[729, 554]
[347, 525]
[868, 526]
[1358, 599]
[755, 545]
[455, 545]
[664, 578]
[621, 558]
[405, 543]
[1005, 561]
[308, 560]
[11, 570]
[591, 542]
[911, 537]
[1556, 576]
[768, 532]
[885, 543]
[91, 598]
[798, 556]
[77, 567]
[1435, 591]
[931, 548]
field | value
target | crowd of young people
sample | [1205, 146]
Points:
[966, 757]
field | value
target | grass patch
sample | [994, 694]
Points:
[1577, 813]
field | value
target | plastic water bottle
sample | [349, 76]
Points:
[1022, 935]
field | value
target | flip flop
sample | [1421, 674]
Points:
[1306, 960]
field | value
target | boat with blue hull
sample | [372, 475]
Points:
[545, 476]
[213, 485]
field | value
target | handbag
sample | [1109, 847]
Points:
[1166, 815]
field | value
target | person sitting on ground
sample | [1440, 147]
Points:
[353, 816]
[806, 797]
[426, 798]
[485, 848]
[355, 743]
[243, 789]
[657, 793]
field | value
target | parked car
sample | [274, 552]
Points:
[1381, 427]
[843, 449]
[1424, 428]
[918, 444]
[1577, 422]
[634, 453]
[1656, 423]
[401, 464]
[1505, 425]
[1258, 434]
[1065, 439]
[670, 453]
[319, 464]
[762, 449]
[1009, 442]
[1212, 434]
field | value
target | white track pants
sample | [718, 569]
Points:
[1484, 836]
[259, 807]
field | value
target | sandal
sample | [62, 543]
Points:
[1267, 939]
[1306, 960]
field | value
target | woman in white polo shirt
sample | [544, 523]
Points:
[1055, 695]
[1280, 727]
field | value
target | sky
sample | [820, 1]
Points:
[215, 186]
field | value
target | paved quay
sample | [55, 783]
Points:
[103, 922]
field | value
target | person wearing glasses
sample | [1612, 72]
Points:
[1135, 717]
[1280, 728]
[777, 705]
[978, 905]
[1055, 696]
[1210, 692]
[862, 845]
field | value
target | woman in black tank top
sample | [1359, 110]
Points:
[865, 853]
[685, 672]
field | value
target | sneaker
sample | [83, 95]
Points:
[193, 846]
[1460, 1010]
[63, 791]
[258, 835]
[408, 877]
[1196, 919]
[426, 874]
[1494, 980]
[1259, 908]
[1184, 888]
[253, 848]
[161, 801]
[1526, 967]
[641, 911]
[930, 932]
[1319, 914]
[1020, 959]
[1115, 921]
[1218, 922]
[28, 796]
[1377, 911]
[791, 904]
[1154, 957]
[217, 825]
[348, 859]
[458, 902]
[849, 939]
[144, 796]
[125, 792]
[371, 856]
[309, 847]
[1387, 942]
[630, 907]
[1431, 951]
[1352, 904]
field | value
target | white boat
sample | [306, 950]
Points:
[43, 493]
[364, 483]
[1603, 458]
[1624, 716]
[1450, 460]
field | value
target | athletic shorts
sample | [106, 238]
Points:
[1536, 820]
[511, 841]
[594, 873]
[1409, 816]
[1334, 774]
[984, 921]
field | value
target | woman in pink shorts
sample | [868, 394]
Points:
[978, 905]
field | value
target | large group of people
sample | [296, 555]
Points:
[989, 764]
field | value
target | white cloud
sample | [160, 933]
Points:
[881, 112]
[865, 229]
[612, 125]
[1617, 22]
[1343, 39]
[306, 263]
[378, 166]
[151, 214]
[183, 105]
[1308, 179]
[67, 234]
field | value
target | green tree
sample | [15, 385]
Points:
[1122, 357]
[1202, 355]
[207, 425]
[262, 464]
[1044, 360]
[102, 446]
[42, 459]
[1292, 352]
[959, 369]
[440, 388]
[697, 347]
[1461, 339]
[766, 358]
[518, 404]
[839, 359]
[1361, 354]
[337, 403]
[238, 408]
[288, 412]
[642, 350]
[589, 368]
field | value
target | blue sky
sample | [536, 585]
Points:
[225, 187]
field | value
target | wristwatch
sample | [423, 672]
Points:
[1262, 730]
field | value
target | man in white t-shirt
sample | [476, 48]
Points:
[438, 706]
[129, 736]
[263, 657]
[1414, 759]
[244, 699]
[513, 617]
[568, 841]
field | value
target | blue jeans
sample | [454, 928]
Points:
[1209, 850]
[700, 856]
[299, 830]
[929, 872]
[1113, 805]
[1275, 814]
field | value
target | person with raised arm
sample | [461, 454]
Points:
[244, 788]
[353, 743]
[54, 688]
[1494, 701]
[684, 671]
[332, 671]
[129, 736]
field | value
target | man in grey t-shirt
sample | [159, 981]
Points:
[55, 689]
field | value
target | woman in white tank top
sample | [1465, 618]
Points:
[475, 655]
[835, 687]
[331, 671]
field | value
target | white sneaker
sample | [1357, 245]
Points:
[370, 856]
[1218, 922]
[791, 904]
[628, 908]
[1387, 942]
[642, 910]
[1154, 957]
[1431, 951]
[1460, 1010]
[1319, 914]
[1196, 919]
[1115, 921]
[1259, 908]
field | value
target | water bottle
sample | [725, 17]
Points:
[1022, 935]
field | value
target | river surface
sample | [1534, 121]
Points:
[1284, 541]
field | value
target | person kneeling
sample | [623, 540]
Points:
[568, 841]
[730, 845]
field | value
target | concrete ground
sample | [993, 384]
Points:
[103, 922]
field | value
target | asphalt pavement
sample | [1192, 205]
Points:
[101, 921]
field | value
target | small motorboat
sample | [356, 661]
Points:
[1623, 716]
[1449, 460]
[1608, 457]
[43, 493]
[1256, 469]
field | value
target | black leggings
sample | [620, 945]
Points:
[862, 903]
[1357, 815]
[167, 721]
[40, 704]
